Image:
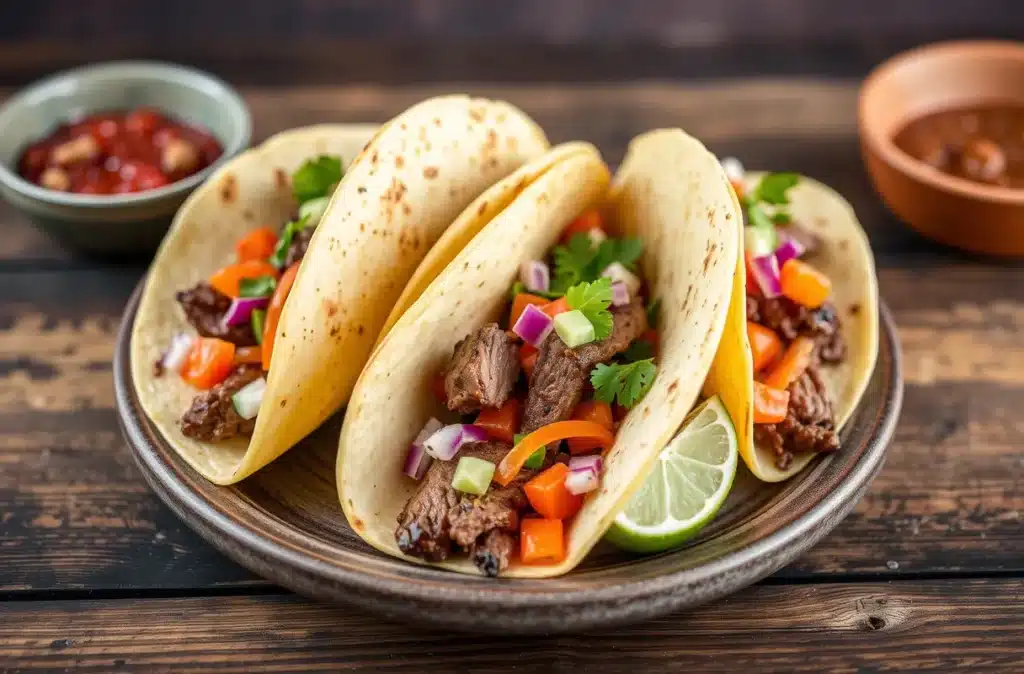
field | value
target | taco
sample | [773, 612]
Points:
[801, 337]
[286, 264]
[540, 336]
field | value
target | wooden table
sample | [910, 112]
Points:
[927, 574]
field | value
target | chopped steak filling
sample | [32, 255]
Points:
[809, 426]
[212, 415]
[300, 243]
[790, 320]
[205, 306]
[438, 515]
[561, 373]
[483, 370]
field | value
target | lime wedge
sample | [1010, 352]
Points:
[686, 487]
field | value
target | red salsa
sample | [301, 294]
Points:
[118, 152]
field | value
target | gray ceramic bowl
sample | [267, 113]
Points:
[124, 223]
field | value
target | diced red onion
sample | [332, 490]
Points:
[444, 444]
[620, 294]
[533, 326]
[417, 461]
[535, 275]
[616, 271]
[584, 474]
[596, 236]
[177, 352]
[591, 462]
[789, 249]
[765, 269]
[241, 310]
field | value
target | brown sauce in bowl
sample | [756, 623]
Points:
[982, 143]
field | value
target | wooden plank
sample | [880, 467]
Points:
[77, 514]
[905, 626]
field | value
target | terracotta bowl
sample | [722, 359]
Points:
[954, 211]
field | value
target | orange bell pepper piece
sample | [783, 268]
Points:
[544, 436]
[228, 279]
[591, 410]
[248, 355]
[209, 362]
[258, 244]
[587, 221]
[527, 358]
[765, 345]
[559, 306]
[770, 404]
[501, 423]
[804, 284]
[792, 364]
[541, 541]
[519, 304]
[284, 286]
[548, 495]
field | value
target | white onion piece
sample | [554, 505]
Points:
[733, 168]
[248, 399]
[616, 271]
[533, 326]
[581, 481]
[432, 426]
[417, 461]
[241, 310]
[592, 463]
[596, 236]
[620, 294]
[177, 352]
[444, 444]
[535, 275]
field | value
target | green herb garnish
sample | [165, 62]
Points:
[316, 178]
[518, 288]
[640, 349]
[625, 384]
[261, 286]
[772, 190]
[257, 319]
[578, 261]
[592, 300]
[285, 242]
[536, 460]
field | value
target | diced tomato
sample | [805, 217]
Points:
[541, 541]
[519, 304]
[248, 355]
[804, 284]
[527, 358]
[591, 410]
[228, 279]
[512, 464]
[794, 361]
[500, 423]
[549, 497]
[209, 362]
[770, 404]
[651, 337]
[143, 121]
[437, 387]
[274, 309]
[752, 287]
[164, 136]
[765, 345]
[138, 176]
[559, 306]
[258, 244]
[584, 223]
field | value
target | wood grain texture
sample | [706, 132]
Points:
[876, 627]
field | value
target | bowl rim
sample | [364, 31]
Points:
[165, 71]
[882, 143]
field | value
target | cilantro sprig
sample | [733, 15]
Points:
[623, 383]
[578, 261]
[316, 178]
[593, 300]
[277, 258]
[261, 286]
[773, 191]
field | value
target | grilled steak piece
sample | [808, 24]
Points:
[561, 373]
[300, 243]
[438, 515]
[482, 371]
[790, 320]
[809, 425]
[212, 415]
[205, 306]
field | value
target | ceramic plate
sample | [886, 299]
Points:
[285, 524]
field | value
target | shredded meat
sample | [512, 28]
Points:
[212, 415]
[561, 373]
[790, 320]
[205, 306]
[809, 425]
[483, 370]
[300, 244]
[438, 516]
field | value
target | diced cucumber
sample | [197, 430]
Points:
[473, 475]
[314, 209]
[759, 240]
[574, 328]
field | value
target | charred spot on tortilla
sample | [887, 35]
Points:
[821, 223]
[476, 114]
[437, 122]
[430, 172]
[843, 244]
[281, 178]
[374, 157]
[330, 306]
[399, 161]
[248, 215]
[854, 309]
[360, 330]
[284, 402]
[483, 207]
[357, 523]
[513, 143]
[361, 190]
[406, 209]
[229, 188]
[673, 386]
[710, 256]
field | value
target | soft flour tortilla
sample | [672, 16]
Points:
[398, 195]
[672, 193]
[845, 257]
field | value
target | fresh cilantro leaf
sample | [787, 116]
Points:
[277, 258]
[258, 320]
[571, 262]
[773, 187]
[625, 384]
[261, 286]
[316, 178]
[757, 217]
[654, 312]
[518, 288]
[641, 349]
[593, 300]
[624, 251]
[782, 218]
